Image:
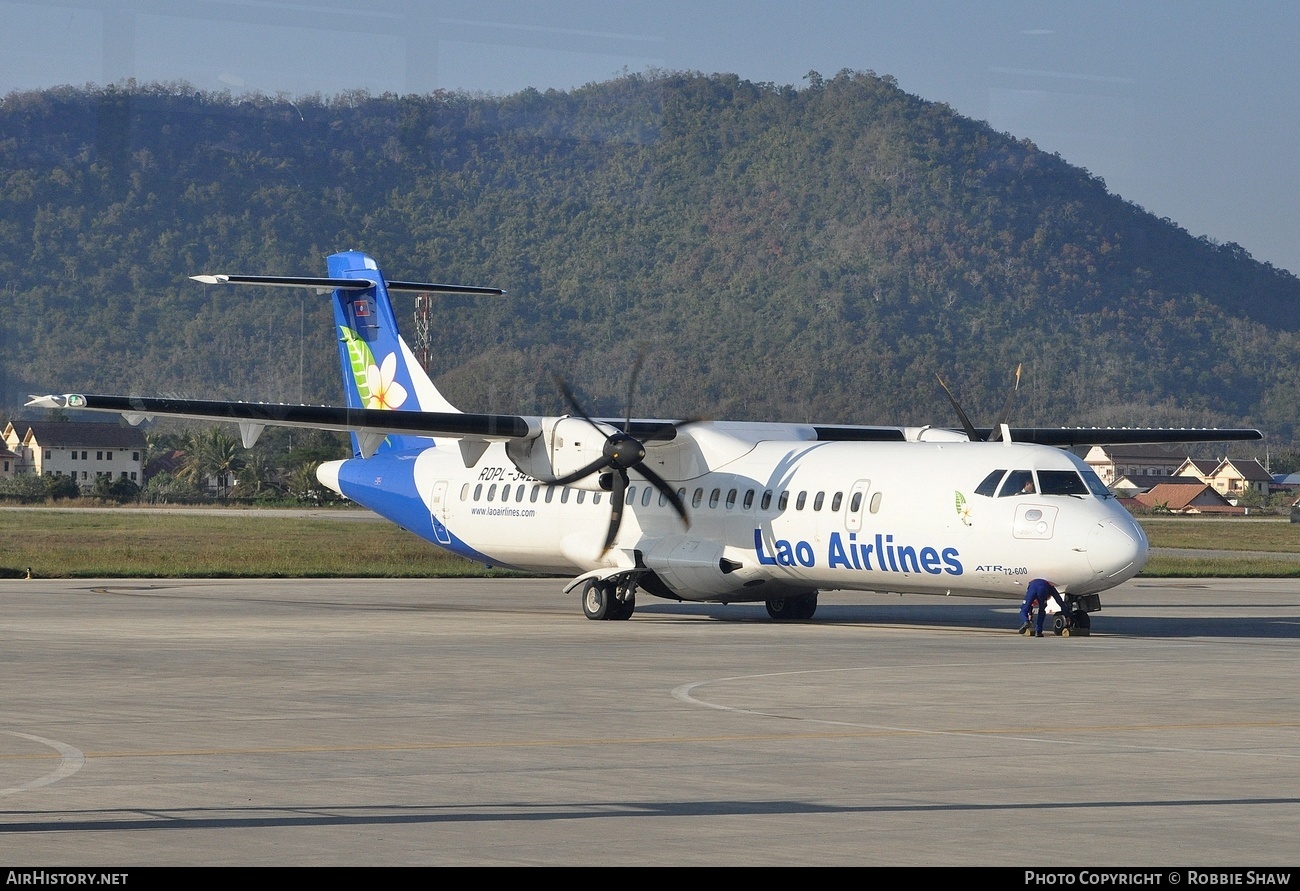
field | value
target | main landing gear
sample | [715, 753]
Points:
[792, 608]
[609, 598]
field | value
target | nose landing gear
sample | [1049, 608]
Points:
[1074, 621]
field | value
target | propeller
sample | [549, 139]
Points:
[995, 435]
[621, 452]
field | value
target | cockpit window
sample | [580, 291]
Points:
[1096, 486]
[990, 484]
[1018, 482]
[1061, 482]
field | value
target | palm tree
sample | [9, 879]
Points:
[258, 475]
[212, 454]
[303, 484]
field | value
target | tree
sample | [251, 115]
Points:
[212, 454]
[120, 489]
[258, 476]
[60, 487]
[163, 488]
[25, 488]
[303, 484]
[1250, 497]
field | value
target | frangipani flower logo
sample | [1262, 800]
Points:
[376, 381]
[384, 392]
[963, 509]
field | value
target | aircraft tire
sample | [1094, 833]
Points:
[793, 608]
[596, 599]
[1059, 627]
[781, 608]
[621, 609]
[806, 606]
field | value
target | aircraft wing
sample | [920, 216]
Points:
[1062, 437]
[496, 427]
[492, 427]
[317, 417]
[1080, 436]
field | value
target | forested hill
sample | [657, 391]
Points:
[817, 252]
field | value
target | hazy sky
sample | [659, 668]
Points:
[1189, 109]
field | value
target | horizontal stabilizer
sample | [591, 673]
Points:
[434, 288]
[349, 284]
[284, 281]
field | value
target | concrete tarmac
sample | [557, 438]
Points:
[486, 722]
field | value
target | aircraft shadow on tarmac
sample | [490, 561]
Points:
[1004, 616]
[884, 611]
[190, 819]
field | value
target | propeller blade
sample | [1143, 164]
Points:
[616, 495]
[666, 489]
[965, 421]
[631, 383]
[996, 435]
[573, 400]
[622, 452]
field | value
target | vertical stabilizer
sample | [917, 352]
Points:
[379, 369]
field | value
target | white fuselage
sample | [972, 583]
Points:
[769, 518]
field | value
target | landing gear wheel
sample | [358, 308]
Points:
[793, 608]
[1059, 626]
[596, 600]
[621, 609]
[781, 608]
[805, 606]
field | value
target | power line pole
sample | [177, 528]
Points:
[423, 347]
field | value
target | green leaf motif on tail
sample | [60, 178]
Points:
[361, 358]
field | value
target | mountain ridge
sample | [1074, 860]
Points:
[788, 254]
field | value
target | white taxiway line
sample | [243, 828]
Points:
[73, 760]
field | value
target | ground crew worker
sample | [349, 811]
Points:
[1036, 595]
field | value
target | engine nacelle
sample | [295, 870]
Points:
[567, 445]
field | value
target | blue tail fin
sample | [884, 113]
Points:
[379, 369]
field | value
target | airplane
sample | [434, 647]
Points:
[697, 510]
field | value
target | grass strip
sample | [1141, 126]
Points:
[76, 544]
[127, 544]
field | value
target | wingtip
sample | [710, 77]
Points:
[69, 400]
[211, 279]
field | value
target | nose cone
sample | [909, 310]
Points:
[1117, 551]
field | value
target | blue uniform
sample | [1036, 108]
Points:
[1037, 593]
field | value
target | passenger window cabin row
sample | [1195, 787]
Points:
[501, 493]
[1000, 483]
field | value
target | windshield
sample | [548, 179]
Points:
[1061, 482]
[1018, 482]
[990, 483]
[1096, 486]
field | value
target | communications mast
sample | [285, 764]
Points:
[422, 345]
